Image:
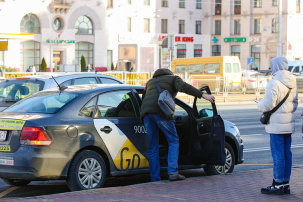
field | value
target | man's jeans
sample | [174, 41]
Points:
[282, 156]
[152, 124]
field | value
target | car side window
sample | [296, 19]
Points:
[67, 83]
[87, 80]
[89, 108]
[115, 104]
[108, 81]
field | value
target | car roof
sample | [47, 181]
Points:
[89, 88]
[63, 74]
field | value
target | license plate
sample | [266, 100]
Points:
[3, 135]
[5, 148]
[6, 162]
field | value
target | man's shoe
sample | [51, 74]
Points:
[175, 177]
[286, 187]
[276, 189]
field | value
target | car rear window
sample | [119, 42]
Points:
[43, 102]
[15, 90]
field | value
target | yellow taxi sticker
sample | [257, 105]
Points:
[130, 158]
[5, 148]
[11, 124]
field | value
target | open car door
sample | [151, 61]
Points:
[209, 140]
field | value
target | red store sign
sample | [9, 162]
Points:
[179, 38]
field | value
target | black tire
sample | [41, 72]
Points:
[86, 180]
[16, 182]
[229, 164]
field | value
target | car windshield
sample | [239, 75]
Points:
[290, 68]
[43, 102]
[15, 90]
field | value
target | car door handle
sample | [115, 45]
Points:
[106, 129]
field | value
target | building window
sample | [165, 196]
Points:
[235, 51]
[298, 6]
[198, 27]
[257, 26]
[110, 4]
[84, 25]
[257, 3]
[198, 50]
[237, 7]
[29, 55]
[146, 2]
[164, 3]
[218, 27]
[164, 26]
[218, 7]
[146, 25]
[237, 27]
[181, 51]
[181, 26]
[274, 2]
[256, 54]
[181, 3]
[216, 50]
[198, 4]
[129, 24]
[87, 50]
[30, 24]
[275, 25]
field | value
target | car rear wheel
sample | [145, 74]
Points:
[16, 182]
[229, 164]
[87, 171]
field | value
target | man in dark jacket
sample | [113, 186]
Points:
[154, 119]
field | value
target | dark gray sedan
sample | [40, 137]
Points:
[84, 134]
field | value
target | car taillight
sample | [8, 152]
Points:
[34, 136]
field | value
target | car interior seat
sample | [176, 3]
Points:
[40, 107]
[24, 90]
[127, 110]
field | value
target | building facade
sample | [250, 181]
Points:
[127, 35]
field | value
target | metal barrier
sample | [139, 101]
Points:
[217, 84]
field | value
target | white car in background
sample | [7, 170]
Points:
[252, 79]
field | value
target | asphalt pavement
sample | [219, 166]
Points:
[243, 186]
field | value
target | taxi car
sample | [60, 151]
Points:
[84, 134]
[14, 89]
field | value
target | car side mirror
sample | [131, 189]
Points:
[206, 113]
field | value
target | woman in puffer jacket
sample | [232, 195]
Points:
[281, 124]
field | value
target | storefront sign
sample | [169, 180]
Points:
[56, 41]
[234, 39]
[179, 38]
[3, 45]
[254, 39]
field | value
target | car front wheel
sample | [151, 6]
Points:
[229, 164]
[87, 171]
[16, 182]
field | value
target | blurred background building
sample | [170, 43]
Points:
[127, 35]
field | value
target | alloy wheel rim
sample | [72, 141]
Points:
[89, 173]
[228, 163]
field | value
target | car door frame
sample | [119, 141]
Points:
[214, 152]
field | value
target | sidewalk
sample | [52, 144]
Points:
[243, 186]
